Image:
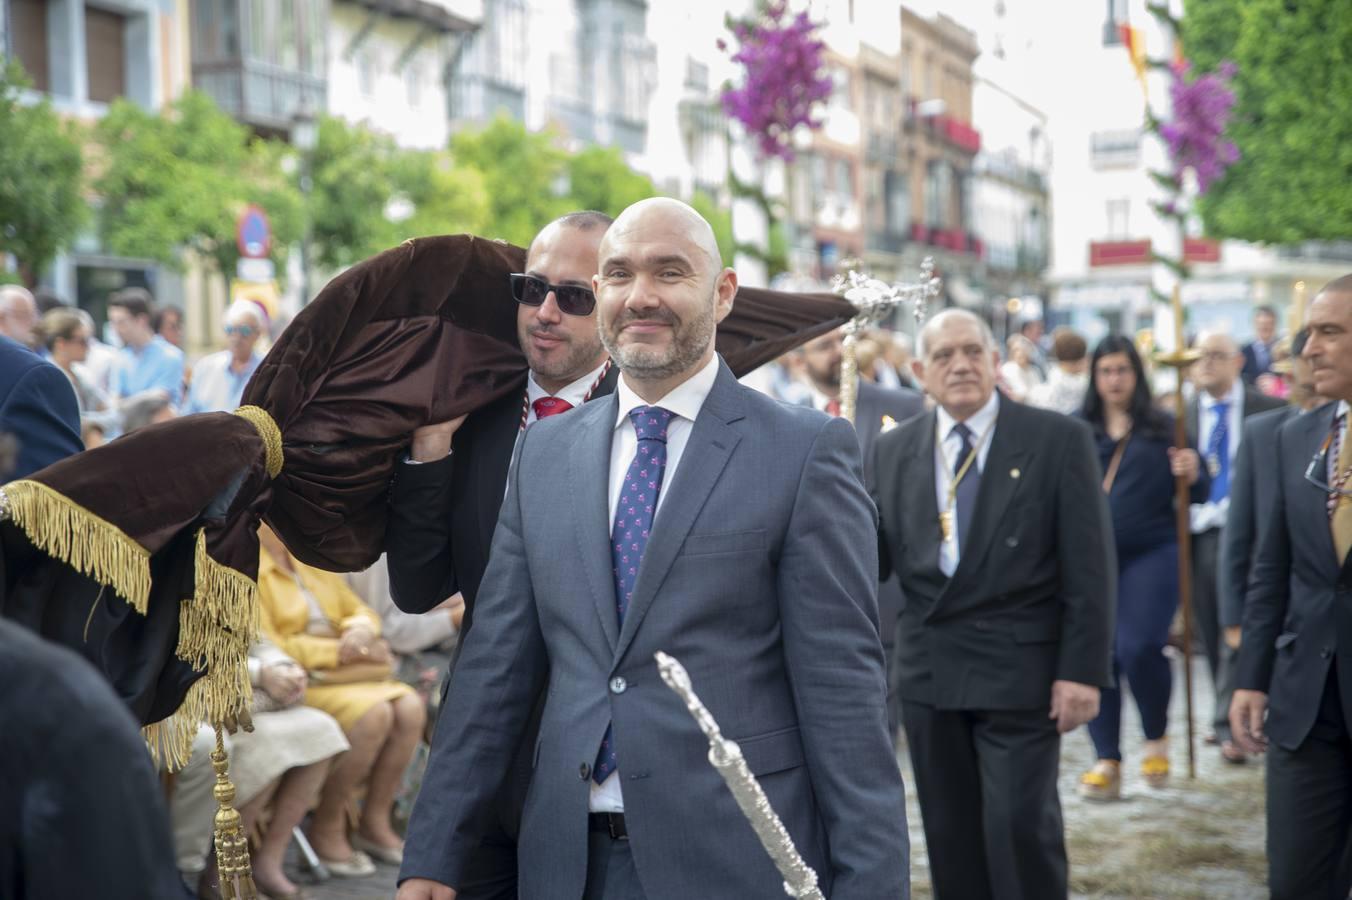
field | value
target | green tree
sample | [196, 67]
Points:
[41, 168]
[179, 180]
[523, 173]
[350, 186]
[438, 196]
[1293, 116]
[600, 179]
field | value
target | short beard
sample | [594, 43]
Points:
[689, 342]
[575, 363]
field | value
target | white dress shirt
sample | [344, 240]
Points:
[685, 401]
[1206, 516]
[982, 424]
[574, 394]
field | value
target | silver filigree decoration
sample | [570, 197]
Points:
[875, 300]
[799, 878]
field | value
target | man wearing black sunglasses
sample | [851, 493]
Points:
[1293, 696]
[443, 514]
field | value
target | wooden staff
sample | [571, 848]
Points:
[1179, 360]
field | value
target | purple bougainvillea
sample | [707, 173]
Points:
[1196, 134]
[785, 79]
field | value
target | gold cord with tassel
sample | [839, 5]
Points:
[232, 844]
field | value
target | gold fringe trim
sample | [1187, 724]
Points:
[215, 628]
[63, 529]
[271, 435]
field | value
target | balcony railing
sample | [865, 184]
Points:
[953, 239]
[259, 93]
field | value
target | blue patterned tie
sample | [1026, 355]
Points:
[633, 522]
[1218, 452]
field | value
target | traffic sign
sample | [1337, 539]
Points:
[253, 233]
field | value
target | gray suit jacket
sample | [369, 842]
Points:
[1253, 486]
[1295, 613]
[760, 577]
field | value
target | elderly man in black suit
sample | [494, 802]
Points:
[992, 514]
[876, 408]
[1293, 694]
[1215, 422]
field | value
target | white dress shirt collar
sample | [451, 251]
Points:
[684, 400]
[979, 422]
[573, 394]
[1234, 397]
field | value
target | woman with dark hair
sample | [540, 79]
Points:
[1135, 443]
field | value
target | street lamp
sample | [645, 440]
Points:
[304, 137]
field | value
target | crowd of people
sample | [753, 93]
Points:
[1024, 558]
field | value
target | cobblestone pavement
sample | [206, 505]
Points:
[1200, 840]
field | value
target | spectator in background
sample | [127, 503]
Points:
[316, 619]
[102, 359]
[147, 361]
[1018, 374]
[146, 408]
[1068, 379]
[66, 338]
[37, 408]
[897, 352]
[18, 315]
[1035, 331]
[218, 380]
[1258, 353]
[168, 322]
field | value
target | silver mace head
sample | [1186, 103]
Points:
[875, 299]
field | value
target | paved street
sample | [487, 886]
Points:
[1198, 841]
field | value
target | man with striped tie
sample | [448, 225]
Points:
[701, 518]
[442, 513]
[1293, 688]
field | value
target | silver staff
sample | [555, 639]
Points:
[875, 300]
[799, 879]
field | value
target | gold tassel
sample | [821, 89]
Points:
[215, 628]
[87, 543]
[232, 844]
[268, 432]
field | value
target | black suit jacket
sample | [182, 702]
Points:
[1255, 402]
[874, 402]
[1033, 598]
[1298, 611]
[1252, 489]
[443, 514]
[1251, 369]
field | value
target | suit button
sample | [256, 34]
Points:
[584, 771]
[1325, 652]
[618, 685]
[1011, 542]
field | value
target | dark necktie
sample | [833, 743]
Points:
[970, 484]
[633, 523]
[550, 406]
[1218, 452]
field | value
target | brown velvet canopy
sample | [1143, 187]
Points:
[163, 521]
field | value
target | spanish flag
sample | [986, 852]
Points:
[1134, 41]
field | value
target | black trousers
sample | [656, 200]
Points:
[991, 776]
[610, 870]
[1309, 808]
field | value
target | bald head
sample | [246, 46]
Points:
[663, 216]
[951, 318]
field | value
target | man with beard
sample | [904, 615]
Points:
[697, 517]
[442, 515]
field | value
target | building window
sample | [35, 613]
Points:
[938, 192]
[28, 26]
[1117, 16]
[106, 54]
[1119, 218]
[1115, 149]
[898, 191]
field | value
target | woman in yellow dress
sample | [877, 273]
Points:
[318, 621]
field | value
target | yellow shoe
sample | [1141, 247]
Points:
[1155, 771]
[1103, 782]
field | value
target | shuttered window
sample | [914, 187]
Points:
[106, 49]
[28, 22]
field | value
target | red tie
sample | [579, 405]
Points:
[833, 407]
[550, 406]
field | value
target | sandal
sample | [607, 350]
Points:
[394, 856]
[1103, 782]
[1155, 771]
[358, 865]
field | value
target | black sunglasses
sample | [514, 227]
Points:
[573, 299]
